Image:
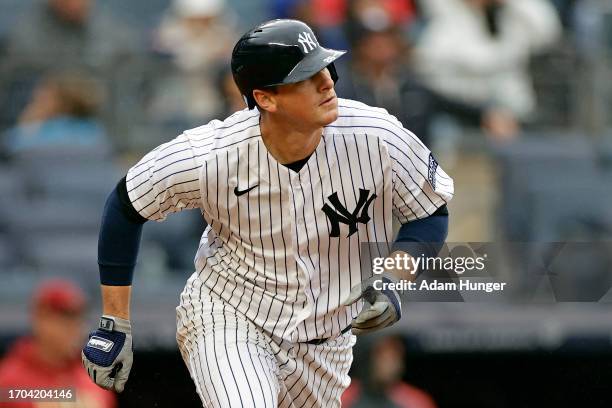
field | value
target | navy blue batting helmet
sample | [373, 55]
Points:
[279, 52]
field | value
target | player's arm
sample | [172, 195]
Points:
[108, 353]
[384, 307]
[116, 301]
[164, 181]
[422, 237]
[421, 190]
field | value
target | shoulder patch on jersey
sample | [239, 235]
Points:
[431, 171]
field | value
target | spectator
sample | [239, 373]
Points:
[198, 36]
[478, 50]
[61, 112]
[328, 13]
[381, 382]
[50, 357]
[329, 16]
[380, 74]
[57, 34]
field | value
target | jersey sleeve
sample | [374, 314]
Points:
[166, 180]
[420, 186]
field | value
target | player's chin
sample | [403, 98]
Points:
[329, 115]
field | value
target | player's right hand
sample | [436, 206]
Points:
[108, 356]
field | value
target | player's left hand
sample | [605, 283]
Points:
[382, 308]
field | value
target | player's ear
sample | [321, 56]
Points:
[265, 100]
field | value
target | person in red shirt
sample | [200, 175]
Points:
[50, 357]
[381, 382]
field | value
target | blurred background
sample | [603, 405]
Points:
[513, 96]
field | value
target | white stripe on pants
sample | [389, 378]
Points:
[234, 364]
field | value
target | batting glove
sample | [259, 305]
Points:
[108, 355]
[382, 308]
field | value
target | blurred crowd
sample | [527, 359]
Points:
[467, 59]
[513, 95]
[49, 355]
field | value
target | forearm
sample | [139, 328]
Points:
[116, 301]
[403, 270]
[117, 252]
[419, 238]
[108, 355]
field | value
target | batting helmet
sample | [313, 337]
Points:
[279, 52]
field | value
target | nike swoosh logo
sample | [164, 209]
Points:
[241, 192]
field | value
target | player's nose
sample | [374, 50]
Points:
[325, 80]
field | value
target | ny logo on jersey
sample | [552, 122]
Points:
[342, 215]
[308, 43]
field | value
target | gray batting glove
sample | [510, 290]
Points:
[382, 308]
[108, 355]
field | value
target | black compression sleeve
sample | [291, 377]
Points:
[119, 238]
[426, 236]
[126, 204]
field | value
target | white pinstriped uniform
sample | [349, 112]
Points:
[274, 266]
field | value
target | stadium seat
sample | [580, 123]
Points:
[8, 256]
[75, 254]
[554, 204]
[52, 215]
[83, 174]
[540, 162]
[11, 187]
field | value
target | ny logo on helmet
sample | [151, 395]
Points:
[342, 215]
[308, 43]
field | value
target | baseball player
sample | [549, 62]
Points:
[289, 189]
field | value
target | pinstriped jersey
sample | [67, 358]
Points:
[283, 247]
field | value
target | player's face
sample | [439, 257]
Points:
[311, 103]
